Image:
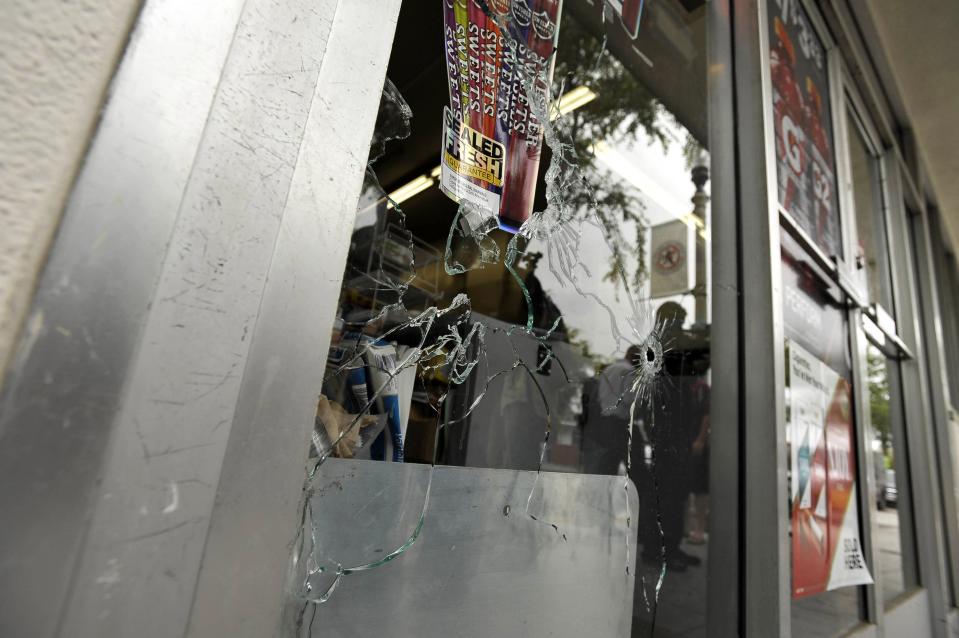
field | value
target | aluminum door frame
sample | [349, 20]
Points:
[165, 385]
[765, 557]
[930, 540]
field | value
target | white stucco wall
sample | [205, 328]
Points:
[56, 61]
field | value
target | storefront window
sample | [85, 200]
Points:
[805, 165]
[514, 424]
[827, 558]
[871, 249]
[895, 539]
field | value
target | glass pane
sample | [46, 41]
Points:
[895, 539]
[822, 459]
[871, 252]
[801, 113]
[529, 365]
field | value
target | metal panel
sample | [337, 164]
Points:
[939, 433]
[723, 602]
[926, 504]
[766, 561]
[908, 615]
[938, 333]
[862, 430]
[260, 485]
[139, 566]
[477, 568]
[210, 174]
[67, 377]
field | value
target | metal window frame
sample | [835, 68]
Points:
[915, 383]
[885, 321]
[765, 547]
[725, 609]
[940, 432]
[149, 413]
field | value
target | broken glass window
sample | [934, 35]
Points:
[517, 388]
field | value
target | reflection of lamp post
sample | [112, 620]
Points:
[700, 175]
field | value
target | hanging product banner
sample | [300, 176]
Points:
[826, 548]
[803, 125]
[492, 141]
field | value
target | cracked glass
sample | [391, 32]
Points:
[513, 430]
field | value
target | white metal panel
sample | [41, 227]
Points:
[139, 566]
[64, 384]
[241, 586]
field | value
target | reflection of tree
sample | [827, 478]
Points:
[622, 107]
[577, 340]
[879, 401]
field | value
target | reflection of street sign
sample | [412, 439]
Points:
[672, 258]
[630, 12]
[669, 256]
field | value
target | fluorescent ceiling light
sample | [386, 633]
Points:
[571, 100]
[410, 189]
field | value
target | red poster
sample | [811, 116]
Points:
[803, 124]
[826, 549]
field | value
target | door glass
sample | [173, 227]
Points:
[512, 437]
[827, 559]
[895, 536]
[871, 251]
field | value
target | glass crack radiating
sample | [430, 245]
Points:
[405, 332]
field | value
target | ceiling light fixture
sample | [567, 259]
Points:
[571, 100]
[409, 189]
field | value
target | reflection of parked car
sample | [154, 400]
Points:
[891, 493]
[882, 479]
[886, 492]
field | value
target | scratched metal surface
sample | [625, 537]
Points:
[68, 375]
[477, 568]
[202, 199]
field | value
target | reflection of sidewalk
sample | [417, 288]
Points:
[682, 600]
[825, 615]
[681, 610]
[890, 553]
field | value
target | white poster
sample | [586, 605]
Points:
[672, 259]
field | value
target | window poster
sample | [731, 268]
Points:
[826, 548]
[492, 140]
[673, 270]
[805, 167]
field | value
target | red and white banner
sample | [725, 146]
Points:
[826, 548]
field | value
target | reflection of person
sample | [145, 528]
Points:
[699, 472]
[516, 437]
[605, 432]
[674, 422]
